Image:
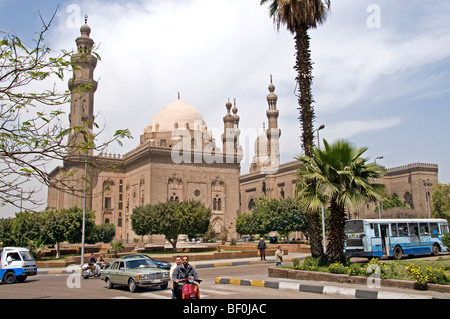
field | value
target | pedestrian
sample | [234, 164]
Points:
[278, 256]
[262, 249]
[177, 263]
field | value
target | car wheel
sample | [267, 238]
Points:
[163, 287]
[109, 284]
[132, 285]
[9, 278]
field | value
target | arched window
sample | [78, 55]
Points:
[251, 204]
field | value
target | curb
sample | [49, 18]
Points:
[321, 289]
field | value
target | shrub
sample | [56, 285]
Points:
[436, 276]
[418, 275]
[356, 270]
[446, 241]
[337, 268]
[377, 267]
[310, 263]
[296, 262]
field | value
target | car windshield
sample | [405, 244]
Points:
[354, 226]
[26, 256]
[140, 263]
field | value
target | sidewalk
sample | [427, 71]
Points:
[320, 287]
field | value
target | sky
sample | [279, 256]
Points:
[381, 69]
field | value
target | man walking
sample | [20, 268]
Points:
[262, 249]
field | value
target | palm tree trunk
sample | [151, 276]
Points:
[315, 239]
[336, 237]
[304, 78]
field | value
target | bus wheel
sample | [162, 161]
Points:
[398, 253]
[435, 250]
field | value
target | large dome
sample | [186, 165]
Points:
[174, 115]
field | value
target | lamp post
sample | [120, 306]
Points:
[83, 228]
[323, 215]
[378, 202]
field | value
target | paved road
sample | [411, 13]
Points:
[56, 286]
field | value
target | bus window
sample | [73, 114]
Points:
[394, 230]
[375, 228]
[413, 229]
[354, 226]
[434, 229]
[444, 229]
[423, 228]
[403, 229]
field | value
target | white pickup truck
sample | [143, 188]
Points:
[16, 264]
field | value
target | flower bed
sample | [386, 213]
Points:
[412, 275]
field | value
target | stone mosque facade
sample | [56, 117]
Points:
[177, 159]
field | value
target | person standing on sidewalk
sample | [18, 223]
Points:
[278, 256]
[262, 249]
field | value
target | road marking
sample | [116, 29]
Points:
[332, 290]
[289, 285]
[397, 295]
[218, 292]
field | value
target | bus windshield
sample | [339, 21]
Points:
[354, 226]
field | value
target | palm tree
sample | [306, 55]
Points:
[338, 177]
[299, 16]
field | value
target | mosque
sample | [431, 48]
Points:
[177, 159]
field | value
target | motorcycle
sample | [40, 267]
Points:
[86, 270]
[190, 288]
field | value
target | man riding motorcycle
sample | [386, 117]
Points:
[183, 271]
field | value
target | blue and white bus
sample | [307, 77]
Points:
[394, 237]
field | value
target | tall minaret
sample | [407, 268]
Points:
[273, 132]
[227, 136]
[82, 87]
[267, 147]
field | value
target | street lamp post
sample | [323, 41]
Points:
[83, 228]
[323, 215]
[378, 202]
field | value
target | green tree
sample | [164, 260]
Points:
[337, 177]
[440, 195]
[53, 228]
[73, 217]
[32, 133]
[171, 219]
[299, 16]
[287, 217]
[281, 215]
[391, 202]
[246, 225]
[6, 232]
[102, 233]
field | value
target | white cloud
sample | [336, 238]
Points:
[348, 129]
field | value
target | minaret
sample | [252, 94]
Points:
[227, 136]
[82, 87]
[236, 134]
[273, 132]
[267, 147]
